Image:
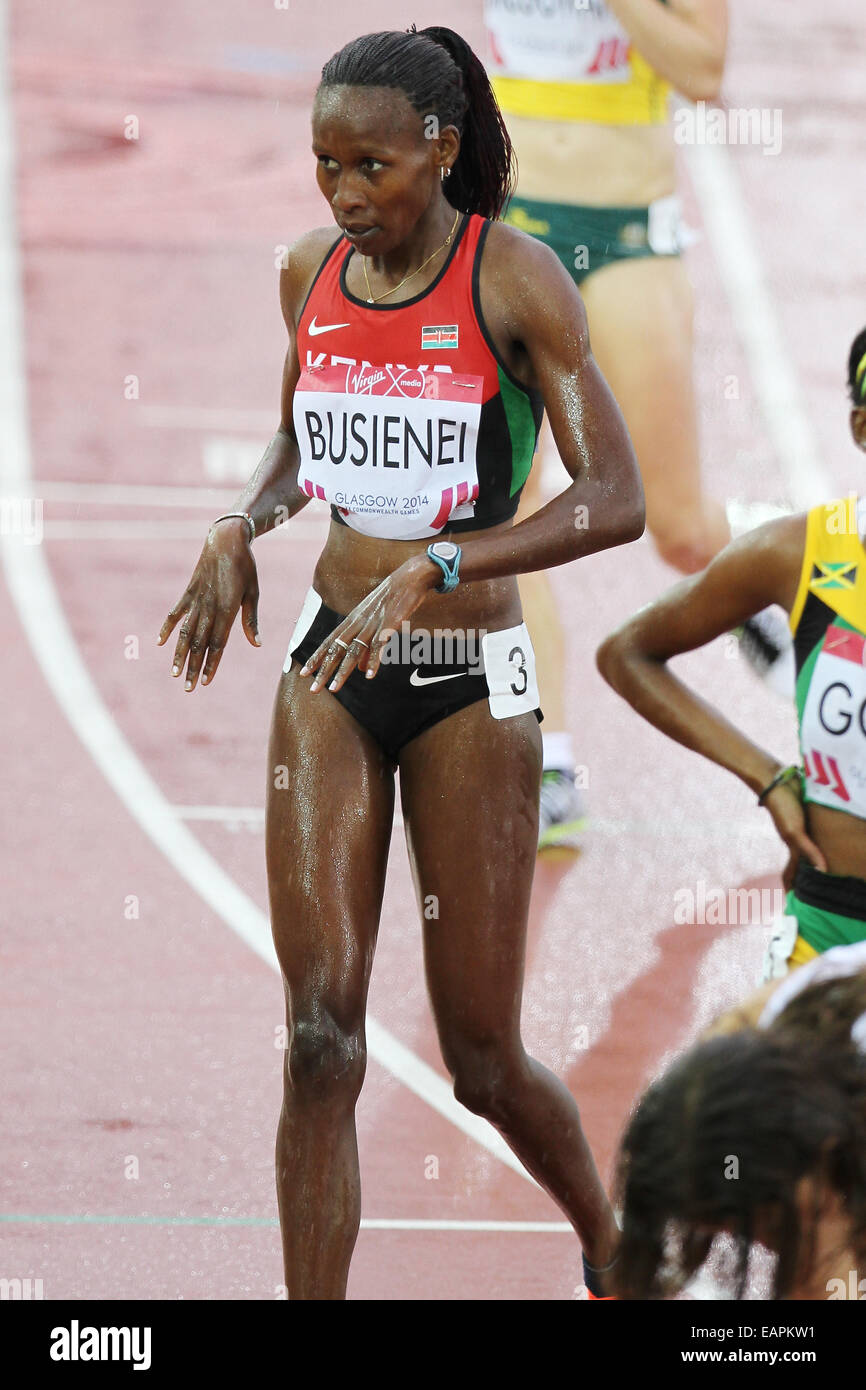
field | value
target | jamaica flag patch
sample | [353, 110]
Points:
[835, 575]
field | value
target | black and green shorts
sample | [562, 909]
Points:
[830, 909]
[587, 238]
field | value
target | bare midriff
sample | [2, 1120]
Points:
[840, 837]
[597, 165]
[352, 565]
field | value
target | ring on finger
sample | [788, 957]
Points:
[340, 643]
[360, 643]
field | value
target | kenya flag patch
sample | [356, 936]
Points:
[439, 335]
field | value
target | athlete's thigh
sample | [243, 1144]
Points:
[640, 324]
[330, 801]
[469, 788]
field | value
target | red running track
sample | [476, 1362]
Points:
[142, 1080]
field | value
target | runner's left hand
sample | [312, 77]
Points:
[789, 818]
[371, 622]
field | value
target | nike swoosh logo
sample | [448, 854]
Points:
[316, 328]
[415, 679]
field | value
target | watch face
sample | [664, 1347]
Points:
[446, 550]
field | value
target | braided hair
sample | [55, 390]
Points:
[441, 76]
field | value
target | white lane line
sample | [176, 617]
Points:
[182, 417]
[122, 530]
[726, 219]
[368, 1223]
[44, 624]
[151, 495]
[255, 815]
[133, 494]
[227, 460]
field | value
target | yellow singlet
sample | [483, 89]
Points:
[551, 61]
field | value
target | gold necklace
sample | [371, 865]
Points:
[446, 242]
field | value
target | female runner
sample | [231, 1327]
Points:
[814, 565]
[424, 341]
[584, 89]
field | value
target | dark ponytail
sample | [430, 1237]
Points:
[440, 76]
[857, 369]
[486, 169]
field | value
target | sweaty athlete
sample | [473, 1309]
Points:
[814, 566]
[425, 338]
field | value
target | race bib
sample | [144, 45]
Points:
[664, 226]
[393, 447]
[557, 41]
[509, 665]
[833, 728]
[306, 618]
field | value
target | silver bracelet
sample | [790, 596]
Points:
[246, 516]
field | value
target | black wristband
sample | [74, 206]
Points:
[786, 775]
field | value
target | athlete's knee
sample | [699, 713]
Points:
[324, 1061]
[486, 1078]
[688, 544]
[683, 555]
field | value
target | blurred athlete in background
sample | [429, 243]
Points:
[584, 90]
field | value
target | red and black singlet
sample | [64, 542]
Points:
[407, 419]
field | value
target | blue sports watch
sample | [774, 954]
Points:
[446, 555]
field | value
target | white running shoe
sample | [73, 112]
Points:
[767, 645]
[562, 813]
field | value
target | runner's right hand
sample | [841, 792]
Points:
[223, 581]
